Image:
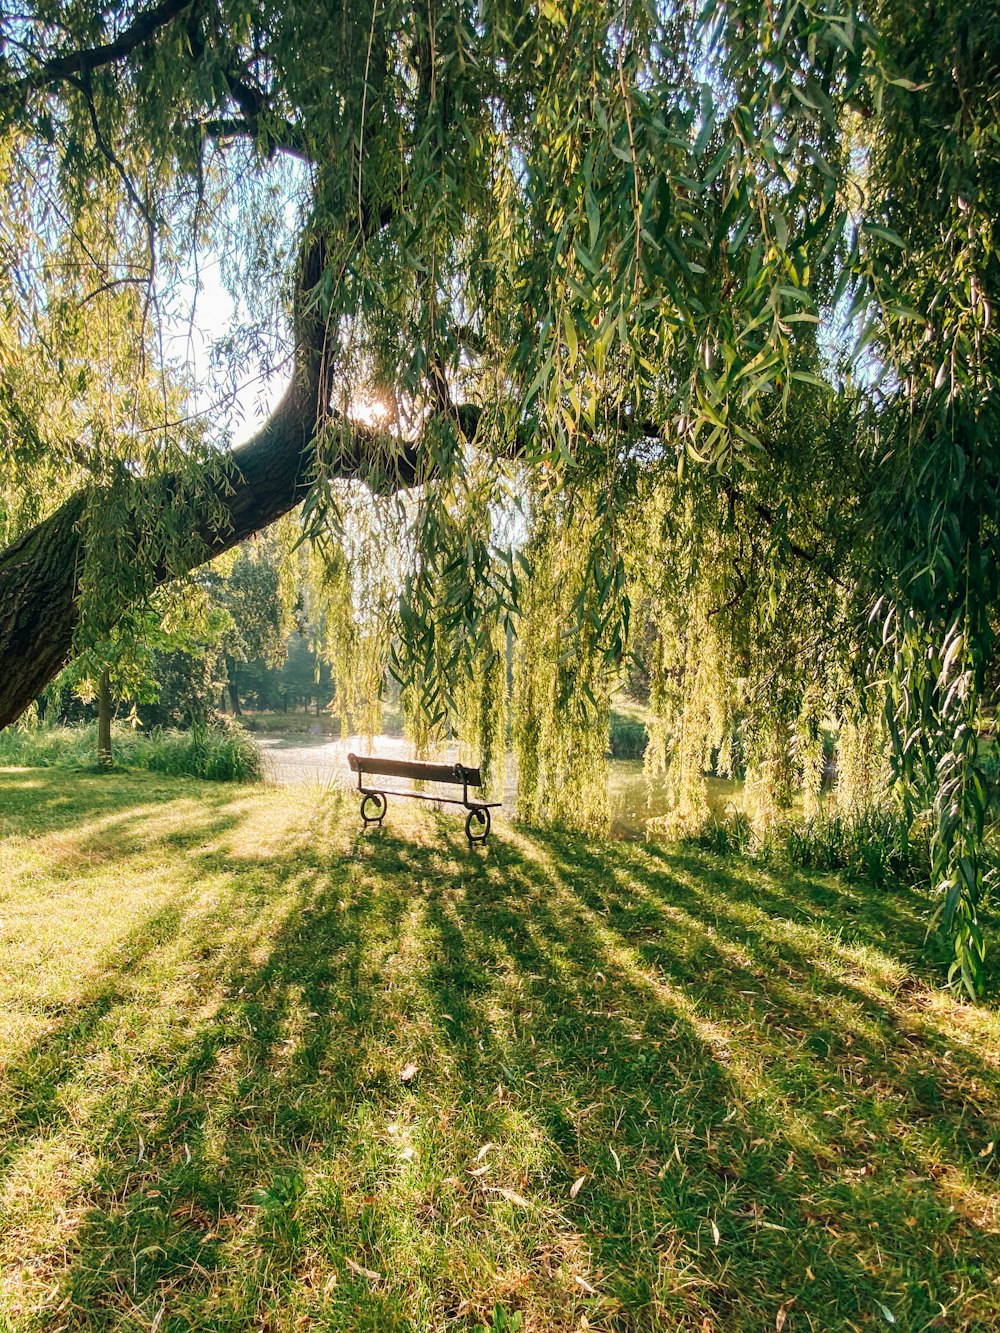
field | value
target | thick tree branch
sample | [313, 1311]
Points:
[250, 488]
[74, 63]
[256, 484]
[257, 119]
[281, 137]
[39, 574]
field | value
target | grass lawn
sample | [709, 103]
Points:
[651, 1090]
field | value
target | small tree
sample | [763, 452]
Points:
[257, 589]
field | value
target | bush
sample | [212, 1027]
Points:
[45, 747]
[730, 836]
[874, 844]
[627, 737]
[218, 753]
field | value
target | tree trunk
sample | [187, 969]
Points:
[37, 607]
[105, 758]
[255, 485]
[260, 481]
[234, 690]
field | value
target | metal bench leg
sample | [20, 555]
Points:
[477, 824]
[381, 805]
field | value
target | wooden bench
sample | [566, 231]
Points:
[374, 800]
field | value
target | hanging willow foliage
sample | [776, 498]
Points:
[567, 638]
[664, 338]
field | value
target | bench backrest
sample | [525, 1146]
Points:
[415, 769]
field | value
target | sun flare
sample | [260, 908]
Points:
[369, 412]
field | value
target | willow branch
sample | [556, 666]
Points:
[281, 136]
[75, 63]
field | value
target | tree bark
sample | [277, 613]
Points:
[233, 688]
[39, 573]
[257, 484]
[38, 584]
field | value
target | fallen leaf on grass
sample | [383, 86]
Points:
[585, 1285]
[363, 1272]
[715, 1233]
[513, 1197]
[484, 1150]
[408, 1073]
[779, 1319]
[576, 1187]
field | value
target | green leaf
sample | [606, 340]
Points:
[883, 234]
[593, 216]
[569, 328]
[807, 377]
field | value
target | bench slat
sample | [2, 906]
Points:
[415, 769]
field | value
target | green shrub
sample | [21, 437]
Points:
[875, 845]
[627, 737]
[218, 753]
[52, 747]
[730, 836]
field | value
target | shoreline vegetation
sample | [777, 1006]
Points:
[220, 752]
[873, 844]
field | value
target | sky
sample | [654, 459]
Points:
[191, 328]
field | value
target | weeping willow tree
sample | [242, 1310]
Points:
[590, 315]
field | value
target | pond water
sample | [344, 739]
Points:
[299, 759]
[311, 755]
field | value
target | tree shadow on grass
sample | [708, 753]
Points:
[730, 1070]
